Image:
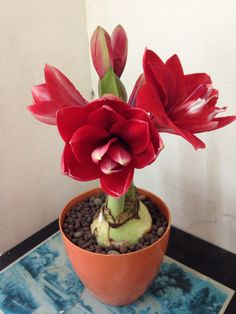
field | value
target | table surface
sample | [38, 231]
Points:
[188, 257]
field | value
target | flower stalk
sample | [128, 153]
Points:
[111, 84]
[116, 205]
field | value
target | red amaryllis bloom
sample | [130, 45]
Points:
[58, 92]
[180, 104]
[107, 139]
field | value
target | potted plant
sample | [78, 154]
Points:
[116, 242]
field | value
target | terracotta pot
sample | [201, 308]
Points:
[117, 279]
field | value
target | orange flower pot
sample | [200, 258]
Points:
[117, 279]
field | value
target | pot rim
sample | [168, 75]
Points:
[97, 190]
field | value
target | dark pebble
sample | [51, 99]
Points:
[90, 236]
[139, 245]
[98, 248]
[91, 248]
[111, 247]
[148, 236]
[81, 242]
[89, 219]
[132, 248]
[97, 201]
[153, 240]
[123, 249]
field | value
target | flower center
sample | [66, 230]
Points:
[111, 157]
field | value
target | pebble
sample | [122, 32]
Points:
[97, 201]
[123, 249]
[98, 249]
[77, 226]
[78, 234]
[112, 252]
[142, 197]
[160, 231]
[148, 236]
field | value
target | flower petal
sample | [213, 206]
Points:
[191, 138]
[40, 93]
[149, 100]
[203, 98]
[70, 119]
[99, 152]
[117, 184]
[61, 89]
[173, 63]
[71, 167]
[85, 140]
[139, 83]
[192, 81]
[105, 117]
[134, 133]
[223, 121]
[108, 166]
[110, 101]
[145, 158]
[120, 155]
[44, 112]
[158, 74]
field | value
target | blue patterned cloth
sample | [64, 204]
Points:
[43, 282]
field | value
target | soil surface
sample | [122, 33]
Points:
[77, 223]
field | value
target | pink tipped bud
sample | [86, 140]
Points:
[119, 43]
[101, 51]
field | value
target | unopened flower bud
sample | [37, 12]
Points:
[101, 51]
[119, 43]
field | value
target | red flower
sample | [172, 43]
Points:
[58, 92]
[180, 104]
[107, 139]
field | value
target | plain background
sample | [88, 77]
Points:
[199, 187]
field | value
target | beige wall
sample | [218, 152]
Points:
[198, 186]
[32, 189]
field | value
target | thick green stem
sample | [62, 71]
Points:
[131, 194]
[116, 205]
